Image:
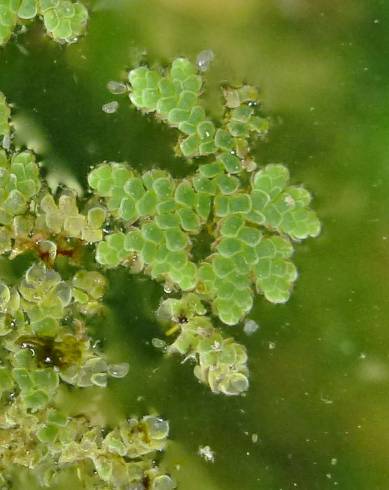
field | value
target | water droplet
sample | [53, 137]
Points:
[116, 88]
[157, 428]
[204, 59]
[250, 327]
[118, 370]
[111, 107]
[158, 343]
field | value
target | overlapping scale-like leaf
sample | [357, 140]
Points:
[104, 457]
[166, 213]
[88, 288]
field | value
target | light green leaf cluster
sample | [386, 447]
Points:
[19, 183]
[250, 248]
[161, 213]
[252, 216]
[44, 299]
[40, 308]
[10, 312]
[245, 254]
[64, 20]
[220, 362]
[175, 98]
[30, 218]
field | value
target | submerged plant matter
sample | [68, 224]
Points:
[253, 215]
[45, 346]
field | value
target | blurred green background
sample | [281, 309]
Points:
[319, 396]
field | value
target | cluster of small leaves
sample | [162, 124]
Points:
[64, 20]
[19, 183]
[250, 249]
[30, 216]
[51, 226]
[45, 344]
[65, 218]
[46, 347]
[252, 215]
[43, 325]
[220, 362]
[108, 459]
[175, 97]
[161, 215]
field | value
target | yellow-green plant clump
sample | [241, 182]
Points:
[45, 345]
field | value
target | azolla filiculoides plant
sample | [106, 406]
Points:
[252, 215]
[45, 345]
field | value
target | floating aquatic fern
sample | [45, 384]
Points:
[64, 20]
[46, 346]
[252, 213]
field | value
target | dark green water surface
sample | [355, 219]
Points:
[319, 395]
